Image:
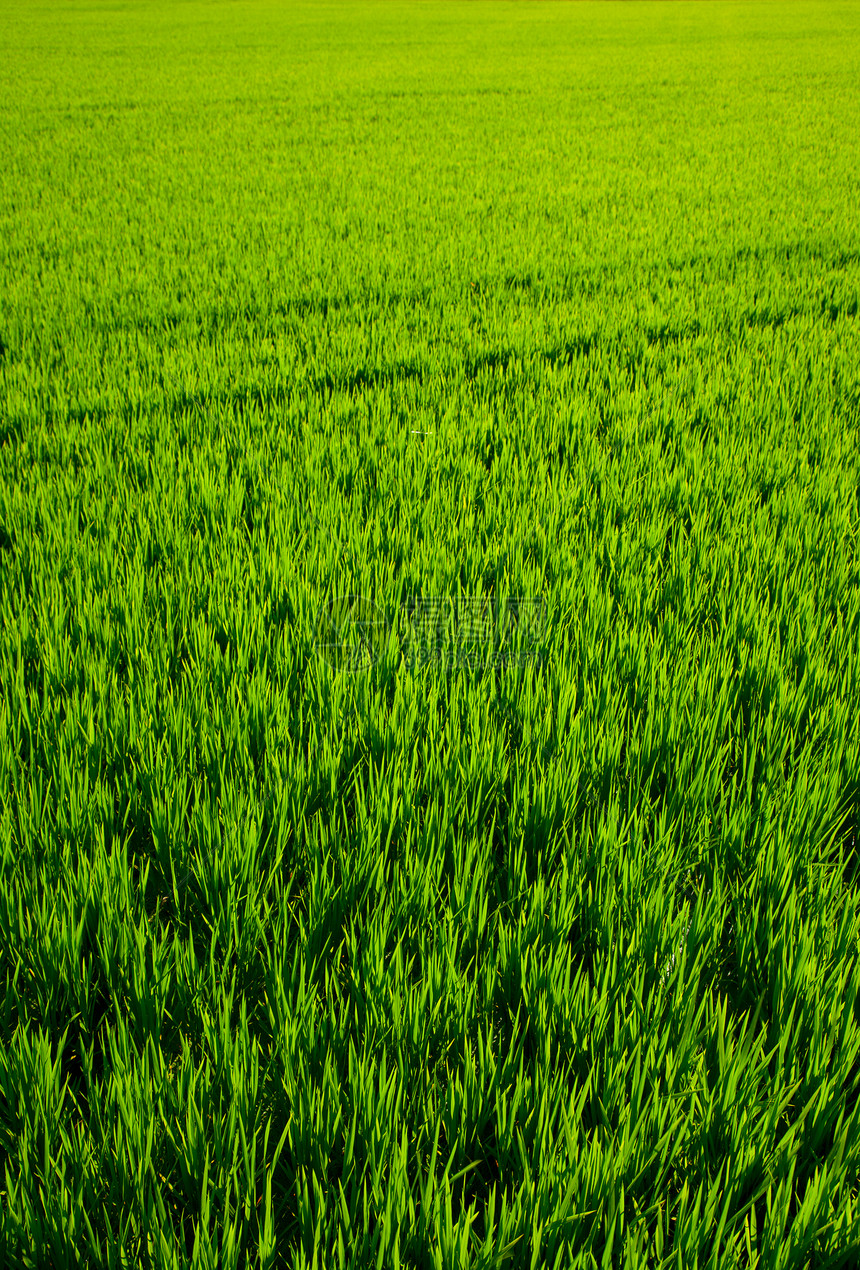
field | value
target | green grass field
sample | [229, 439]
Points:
[517, 930]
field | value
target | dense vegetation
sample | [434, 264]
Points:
[542, 956]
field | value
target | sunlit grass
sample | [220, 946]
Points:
[547, 959]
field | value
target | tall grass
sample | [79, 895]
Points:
[543, 957]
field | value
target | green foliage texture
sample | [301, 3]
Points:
[548, 958]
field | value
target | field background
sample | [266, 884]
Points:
[306, 964]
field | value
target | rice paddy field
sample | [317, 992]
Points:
[429, 629]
